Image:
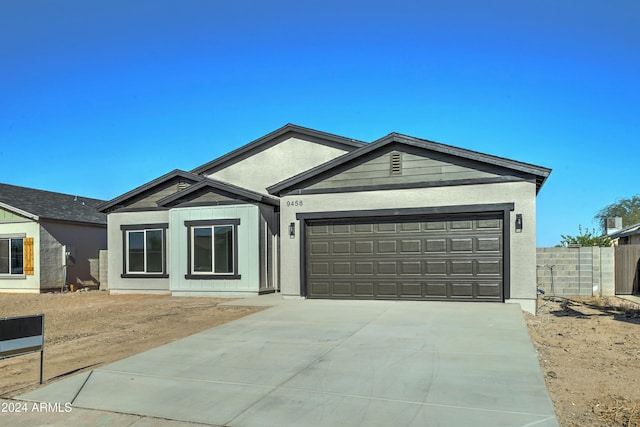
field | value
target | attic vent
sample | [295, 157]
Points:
[182, 185]
[396, 164]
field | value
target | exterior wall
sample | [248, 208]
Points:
[248, 251]
[269, 236]
[283, 160]
[522, 245]
[51, 261]
[22, 283]
[118, 284]
[87, 240]
[576, 271]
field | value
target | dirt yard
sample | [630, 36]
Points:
[84, 330]
[589, 350]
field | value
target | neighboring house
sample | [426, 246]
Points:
[48, 239]
[322, 216]
[629, 235]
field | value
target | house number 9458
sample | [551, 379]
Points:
[294, 203]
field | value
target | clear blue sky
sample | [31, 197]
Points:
[98, 97]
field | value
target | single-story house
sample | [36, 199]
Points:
[629, 235]
[48, 239]
[316, 215]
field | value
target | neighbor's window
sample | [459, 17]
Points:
[213, 249]
[145, 252]
[12, 256]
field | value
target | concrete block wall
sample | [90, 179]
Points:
[104, 270]
[576, 271]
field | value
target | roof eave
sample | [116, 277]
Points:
[173, 174]
[539, 172]
[19, 211]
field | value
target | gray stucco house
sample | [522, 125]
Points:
[315, 215]
[48, 239]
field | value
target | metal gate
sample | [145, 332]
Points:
[627, 269]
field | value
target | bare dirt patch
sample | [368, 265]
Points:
[589, 351]
[84, 330]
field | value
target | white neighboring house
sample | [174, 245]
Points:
[48, 239]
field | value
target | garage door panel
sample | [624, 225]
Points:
[319, 248]
[342, 289]
[387, 289]
[461, 289]
[457, 258]
[489, 224]
[387, 227]
[489, 244]
[341, 248]
[490, 268]
[363, 247]
[364, 268]
[319, 288]
[363, 228]
[341, 268]
[411, 267]
[387, 267]
[461, 267]
[461, 225]
[489, 290]
[411, 290]
[436, 290]
[435, 267]
[411, 246]
[387, 247]
[462, 245]
[364, 289]
[319, 268]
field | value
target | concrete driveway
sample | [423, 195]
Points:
[328, 363]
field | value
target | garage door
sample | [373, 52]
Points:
[453, 258]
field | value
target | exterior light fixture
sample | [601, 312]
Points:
[292, 230]
[518, 223]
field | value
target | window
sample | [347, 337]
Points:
[144, 250]
[213, 249]
[12, 256]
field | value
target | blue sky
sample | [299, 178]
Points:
[98, 97]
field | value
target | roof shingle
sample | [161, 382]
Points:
[50, 205]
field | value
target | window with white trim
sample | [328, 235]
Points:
[12, 256]
[144, 250]
[213, 249]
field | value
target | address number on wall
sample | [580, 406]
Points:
[294, 203]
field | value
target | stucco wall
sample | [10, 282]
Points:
[118, 284]
[87, 240]
[276, 163]
[522, 245]
[22, 283]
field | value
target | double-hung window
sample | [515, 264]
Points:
[12, 255]
[144, 250]
[213, 249]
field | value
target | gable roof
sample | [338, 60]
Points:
[272, 138]
[630, 230]
[41, 204]
[540, 173]
[176, 173]
[239, 192]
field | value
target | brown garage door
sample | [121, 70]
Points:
[457, 258]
